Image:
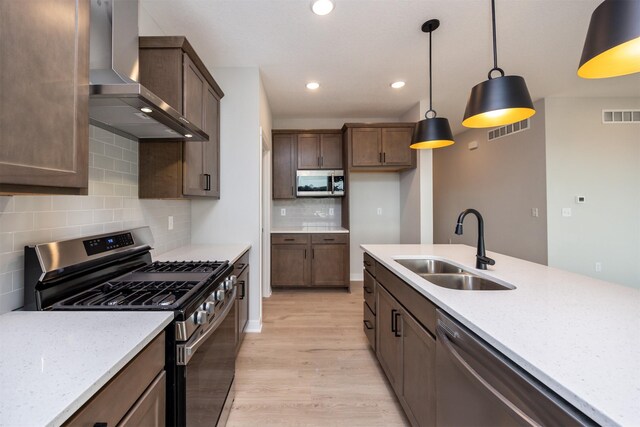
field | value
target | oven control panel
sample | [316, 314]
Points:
[107, 243]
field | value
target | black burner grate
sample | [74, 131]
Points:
[134, 294]
[183, 266]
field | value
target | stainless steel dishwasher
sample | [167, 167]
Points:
[478, 386]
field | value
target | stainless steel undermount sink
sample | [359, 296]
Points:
[446, 275]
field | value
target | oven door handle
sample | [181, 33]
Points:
[185, 352]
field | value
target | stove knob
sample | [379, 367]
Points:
[220, 295]
[209, 307]
[200, 317]
[233, 278]
[228, 284]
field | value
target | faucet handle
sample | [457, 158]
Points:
[486, 260]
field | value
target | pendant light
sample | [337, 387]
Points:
[498, 101]
[432, 132]
[612, 46]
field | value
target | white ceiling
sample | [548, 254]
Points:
[364, 45]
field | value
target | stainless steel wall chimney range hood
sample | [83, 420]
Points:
[118, 102]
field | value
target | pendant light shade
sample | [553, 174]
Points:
[612, 46]
[498, 101]
[432, 132]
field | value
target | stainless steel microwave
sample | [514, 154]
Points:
[320, 183]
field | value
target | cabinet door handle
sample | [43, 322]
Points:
[380, 157]
[242, 295]
[313, 253]
[384, 157]
[305, 254]
[100, 425]
[397, 332]
[329, 240]
[393, 321]
[367, 263]
[292, 190]
[208, 181]
[289, 240]
[367, 290]
[368, 325]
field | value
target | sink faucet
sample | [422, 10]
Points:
[481, 257]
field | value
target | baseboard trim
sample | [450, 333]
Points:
[357, 277]
[253, 327]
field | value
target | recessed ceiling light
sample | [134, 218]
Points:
[322, 7]
[313, 85]
[188, 135]
[397, 85]
[146, 110]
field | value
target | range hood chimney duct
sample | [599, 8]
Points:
[118, 102]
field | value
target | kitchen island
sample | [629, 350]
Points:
[577, 335]
[53, 362]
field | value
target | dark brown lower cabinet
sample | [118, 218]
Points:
[406, 351]
[136, 396]
[310, 260]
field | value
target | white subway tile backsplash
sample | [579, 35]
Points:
[6, 242]
[103, 162]
[25, 238]
[67, 203]
[112, 151]
[102, 216]
[75, 218]
[96, 147]
[101, 188]
[112, 205]
[103, 135]
[121, 166]
[16, 221]
[32, 204]
[50, 219]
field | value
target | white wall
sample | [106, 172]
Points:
[235, 218]
[410, 202]
[112, 205]
[601, 162]
[324, 122]
[367, 193]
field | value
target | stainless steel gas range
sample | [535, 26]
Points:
[114, 272]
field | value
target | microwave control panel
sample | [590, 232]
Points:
[107, 243]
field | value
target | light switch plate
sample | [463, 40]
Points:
[283, 212]
[170, 222]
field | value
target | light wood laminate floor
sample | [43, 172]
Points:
[312, 366]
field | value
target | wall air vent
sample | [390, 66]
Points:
[508, 130]
[620, 116]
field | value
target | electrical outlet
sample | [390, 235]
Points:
[566, 211]
[330, 211]
[598, 267]
[534, 212]
[379, 211]
[170, 223]
[283, 212]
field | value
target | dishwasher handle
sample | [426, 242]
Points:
[447, 337]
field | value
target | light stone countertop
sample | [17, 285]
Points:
[53, 362]
[578, 335]
[310, 229]
[205, 253]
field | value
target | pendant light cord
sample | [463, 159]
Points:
[430, 110]
[495, 43]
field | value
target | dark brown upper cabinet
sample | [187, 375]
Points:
[380, 147]
[302, 149]
[170, 67]
[320, 151]
[44, 101]
[284, 166]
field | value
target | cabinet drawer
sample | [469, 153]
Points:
[115, 399]
[369, 325]
[149, 410]
[369, 289]
[338, 238]
[292, 238]
[419, 306]
[241, 264]
[369, 264]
